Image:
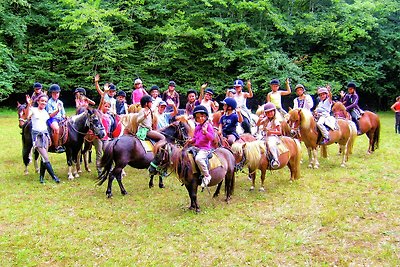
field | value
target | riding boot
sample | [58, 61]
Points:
[358, 127]
[42, 172]
[58, 148]
[49, 169]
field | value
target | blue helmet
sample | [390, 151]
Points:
[209, 90]
[80, 90]
[238, 83]
[54, 88]
[274, 82]
[230, 102]
[351, 85]
[37, 85]
[121, 93]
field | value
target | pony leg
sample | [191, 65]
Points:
[315, 158]
[86, 161]
[36, 160]
[216, 194]
[109, 185]
[252, 176]
[70, 176]
[343, 148]
[192, 190]
[151, 184]
[262, 189]
[160, 182]
[119, 180]
[310, 157]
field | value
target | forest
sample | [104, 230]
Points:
[313, 42]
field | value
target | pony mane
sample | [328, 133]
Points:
[338, 106]
[253, 151]
[306, 117]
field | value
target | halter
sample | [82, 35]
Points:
[88, 123]
[162, 169]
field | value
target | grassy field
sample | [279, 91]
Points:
[332, 216]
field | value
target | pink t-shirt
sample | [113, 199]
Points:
[203, 141]
[137, 94]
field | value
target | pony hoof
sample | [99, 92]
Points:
[251, 189]
[109, 195]
[37, 170]
[76, 175]
[71, 178]
[342, 165]
[316, 167]
[261, 189]
[151, 185]
[310, 166]
[161, 186]
[26, 172]
[80, 171]
[124, 193]
[88, 170]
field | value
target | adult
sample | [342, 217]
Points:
[396, 108]
[55, 108]
[302, 100]
[350, 101]
[240, 98]
[138, 92]
[40, 134]
[171, 94]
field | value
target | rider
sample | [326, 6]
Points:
[121, 106]
[240, 98]
[350, 101]
[302, 100]
[275, 96]
[205, 99]
[272, 128]
[138, 92]
[192, 102]
[81, 101]
[396, 108]
[40, 134]
[55, 108]
[164, 118]
[322, 111]
[37, 91]
[171, 94]
[202, 139]
[108, 93]
[145, 121]
[228, 121]
[155, 96]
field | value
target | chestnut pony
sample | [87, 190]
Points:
[255, 155]
[168, 156]
[369, 124]
[302, 120]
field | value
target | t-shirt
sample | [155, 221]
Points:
[52, 106]
[39, 119]
[229, 123]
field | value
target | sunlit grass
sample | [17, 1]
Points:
[331, 216]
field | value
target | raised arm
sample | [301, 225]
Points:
[96, 83]
[250, 93]
[288, 89]
[201, 95]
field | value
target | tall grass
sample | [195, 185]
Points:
[331, 216]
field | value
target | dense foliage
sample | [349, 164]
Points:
[313, 42]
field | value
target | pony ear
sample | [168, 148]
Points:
[244, 145]
[18, 104]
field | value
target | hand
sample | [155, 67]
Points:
[342, 93]
[106, 88]
[28, 99]
[204, 128]
[204, 85]
[170, 102]
[287, 81]
[96, 78]
[248, 84]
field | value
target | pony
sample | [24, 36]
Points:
[255, 156]
[369, 124]
[302, 121]
[73, 133]
[168, 156]
[129, 150]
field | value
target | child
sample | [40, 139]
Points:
[40, 135]
[145, 121]
[81, 101]
[202, 139]
[155, 96]
[275, 96]
[55, 108]
[350, 101]
[164, 118]
[228, 121]
[108, 94]
[241, 98]
[323, 111]
[302, 100]
[171, 94]
[396, 108]
[207, 102]
[37, 91]
[138, 92]
[272, 128]
[121, 106]
[192, 102]
[230, 92]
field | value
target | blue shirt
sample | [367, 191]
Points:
[52, 105]
[229, 123]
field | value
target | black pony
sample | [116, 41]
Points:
[128, 150]
[76, 127]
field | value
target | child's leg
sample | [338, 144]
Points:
[201, 162]
[56, 132]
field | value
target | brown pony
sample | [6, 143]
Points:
[168, 156]
[255, 156]
[301, 120]
[369, 124]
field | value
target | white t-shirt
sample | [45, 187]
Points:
[39, 119]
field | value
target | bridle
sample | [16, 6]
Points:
[166, 153]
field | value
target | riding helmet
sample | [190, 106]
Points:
[269, 106]
[172, 83]
[209, 90]
[322, 90]
[238, 83]
[138, 81]
[154, 87]
[145, 99]
[112, 87]
[274, 82]
[37, 85]
[351, 85]
[54, 88]
[121, 93]
[80, 90]
[230, 102]
[200, 109]
[191, 91]
[300, 86]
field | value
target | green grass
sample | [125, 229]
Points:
[331, 216]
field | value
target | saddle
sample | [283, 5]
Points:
[212, 162]
[63, 132]
[331, 123]
[282, 148]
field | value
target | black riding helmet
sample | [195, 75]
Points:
[54, 88]
[80, 90]
[200, 109]
[191, 91]
[145, 99]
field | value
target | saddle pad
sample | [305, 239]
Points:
[279, 145]
[148, 146]
[213, 163]
[331, 122]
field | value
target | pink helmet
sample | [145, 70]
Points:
[322, 90]
[269, 106]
